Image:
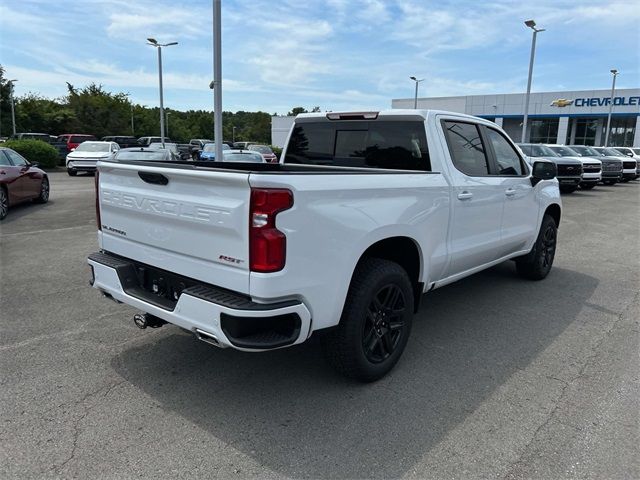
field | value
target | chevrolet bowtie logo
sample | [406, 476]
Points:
[561, 102]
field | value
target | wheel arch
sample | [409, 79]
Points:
[555, 212]
[404, 251]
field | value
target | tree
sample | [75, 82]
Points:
[296, 110]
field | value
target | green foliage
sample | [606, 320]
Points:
[277, 151]
[296, 110]
[35, 151]
[93, 110]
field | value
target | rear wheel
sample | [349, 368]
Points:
[537, 264]
[44, 191]
[72, 173]
[4, 203]
[375, 323]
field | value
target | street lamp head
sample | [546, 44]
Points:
[169, 44]
[614, 71]
[413, 78]
[152, 41]
[530, 23]
[14, 80]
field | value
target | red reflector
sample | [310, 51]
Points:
[98, 222]
[267, 244]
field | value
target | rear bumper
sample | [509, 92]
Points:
[232, 319]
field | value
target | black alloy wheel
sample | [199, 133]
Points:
[384, 324]
[548, 244]
[376, 321]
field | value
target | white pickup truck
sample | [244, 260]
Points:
[364, 213]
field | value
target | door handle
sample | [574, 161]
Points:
[510, 192]
[465, 195]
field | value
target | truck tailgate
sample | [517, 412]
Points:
[187, 221]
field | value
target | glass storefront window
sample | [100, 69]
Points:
[544, 130]
[622, 131]
[586, 129]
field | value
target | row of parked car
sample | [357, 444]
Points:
[584, 166]
[85, 156]
[196, 149]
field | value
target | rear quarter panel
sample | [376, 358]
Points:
[335, 218]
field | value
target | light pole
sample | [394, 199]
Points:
[233, 134]
[614, 72]
[128, 95]
[217, 77]
[168, 113]
[133, 130]
[415, 98]
[532, 25]
[154, 43]
[13, 107]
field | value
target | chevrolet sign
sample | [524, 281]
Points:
[561, 102]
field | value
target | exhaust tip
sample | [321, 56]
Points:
[207, 337]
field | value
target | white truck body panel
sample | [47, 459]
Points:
[196, 223]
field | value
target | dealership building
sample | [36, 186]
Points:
[578, 117]
[569, 117]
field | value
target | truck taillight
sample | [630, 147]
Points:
[98, 222]
[267, 244]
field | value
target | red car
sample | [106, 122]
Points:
[265, 151]
[74, 139]
[20, 181]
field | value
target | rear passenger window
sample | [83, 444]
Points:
[507, 159]
[467, 151]
[399, 145]
[4, 160]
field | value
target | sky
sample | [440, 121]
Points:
[334, 54]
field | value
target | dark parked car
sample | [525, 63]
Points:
[145, 154]
[20, 181]
[62, 147]
[123, 140]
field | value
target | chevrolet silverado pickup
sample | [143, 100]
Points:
[364, 213]
[570, 170]
[591, 167]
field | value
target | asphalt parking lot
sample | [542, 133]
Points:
[502, 377]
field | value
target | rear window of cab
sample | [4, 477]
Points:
[397, 145]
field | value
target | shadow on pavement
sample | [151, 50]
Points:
[288, 411]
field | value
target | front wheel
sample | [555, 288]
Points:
[375, 323]
[537, 264]
[44, 191]
[587, 186]
[72, 173]
[4, 203]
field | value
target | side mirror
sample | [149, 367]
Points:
[543, 171]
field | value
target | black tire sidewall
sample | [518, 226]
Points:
[378, 274]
